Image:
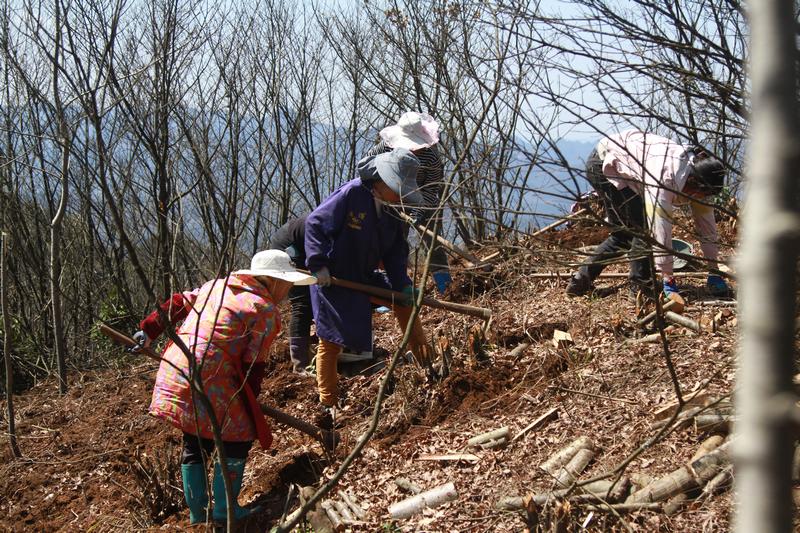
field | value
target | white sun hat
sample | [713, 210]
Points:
[413, 131]
[276, 264]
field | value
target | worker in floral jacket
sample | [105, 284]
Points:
[348, 236]
[228, 326]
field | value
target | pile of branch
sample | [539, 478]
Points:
[332, 515]
[707, 473]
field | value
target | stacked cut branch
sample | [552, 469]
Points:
[691, 476]
[331, 515]
[563, 469]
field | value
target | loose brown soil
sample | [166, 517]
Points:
[94, 460]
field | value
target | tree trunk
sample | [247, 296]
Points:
[767, 276]
[12, 431]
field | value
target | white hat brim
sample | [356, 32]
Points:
[292, 276]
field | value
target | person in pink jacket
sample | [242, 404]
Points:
[641, 177]
[228, 326]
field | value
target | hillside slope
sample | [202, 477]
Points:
[94, 460]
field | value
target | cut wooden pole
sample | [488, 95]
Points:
[681, 320]
[624, 507]
[553, 465]
[652, 315]
[494, 443]
[407, 485]
[685, 478]
[476, 441]
[399, 298]
[607, 275]
[719, 482]
[707, 446]
[714, 422]
[469, 257]
[570, 472]
[595, 491]
[430, 499]
[333, 516]
[344, 511]
[350, 500]
[559, 222]
[536, 423]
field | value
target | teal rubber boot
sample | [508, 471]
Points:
[195, 491]
[236, 471]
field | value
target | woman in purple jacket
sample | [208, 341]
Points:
[348, 236]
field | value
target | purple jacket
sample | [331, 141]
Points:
[345, 234]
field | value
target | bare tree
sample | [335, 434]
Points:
[768, 277]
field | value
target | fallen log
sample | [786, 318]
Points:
[428, 499]
[647, 339]
[520, 348]
[685, 478]
[608, 275]
[503, 432]
[553, 464]
[570, 472]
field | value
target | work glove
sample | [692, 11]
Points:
[410, 295]
[323, 276]
[717, 287]
[670, 286]
[142, 341]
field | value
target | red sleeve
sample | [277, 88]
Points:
[175, 308]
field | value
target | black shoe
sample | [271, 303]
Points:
[579, 285]
[637, 287]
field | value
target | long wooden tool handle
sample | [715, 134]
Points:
[397, 297]
[560, 221]
[326, 437]
[444, 242]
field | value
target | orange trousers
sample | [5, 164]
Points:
[328, 354]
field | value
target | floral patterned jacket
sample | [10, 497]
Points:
[229, 326]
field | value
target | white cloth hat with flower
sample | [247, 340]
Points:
[413, 131]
